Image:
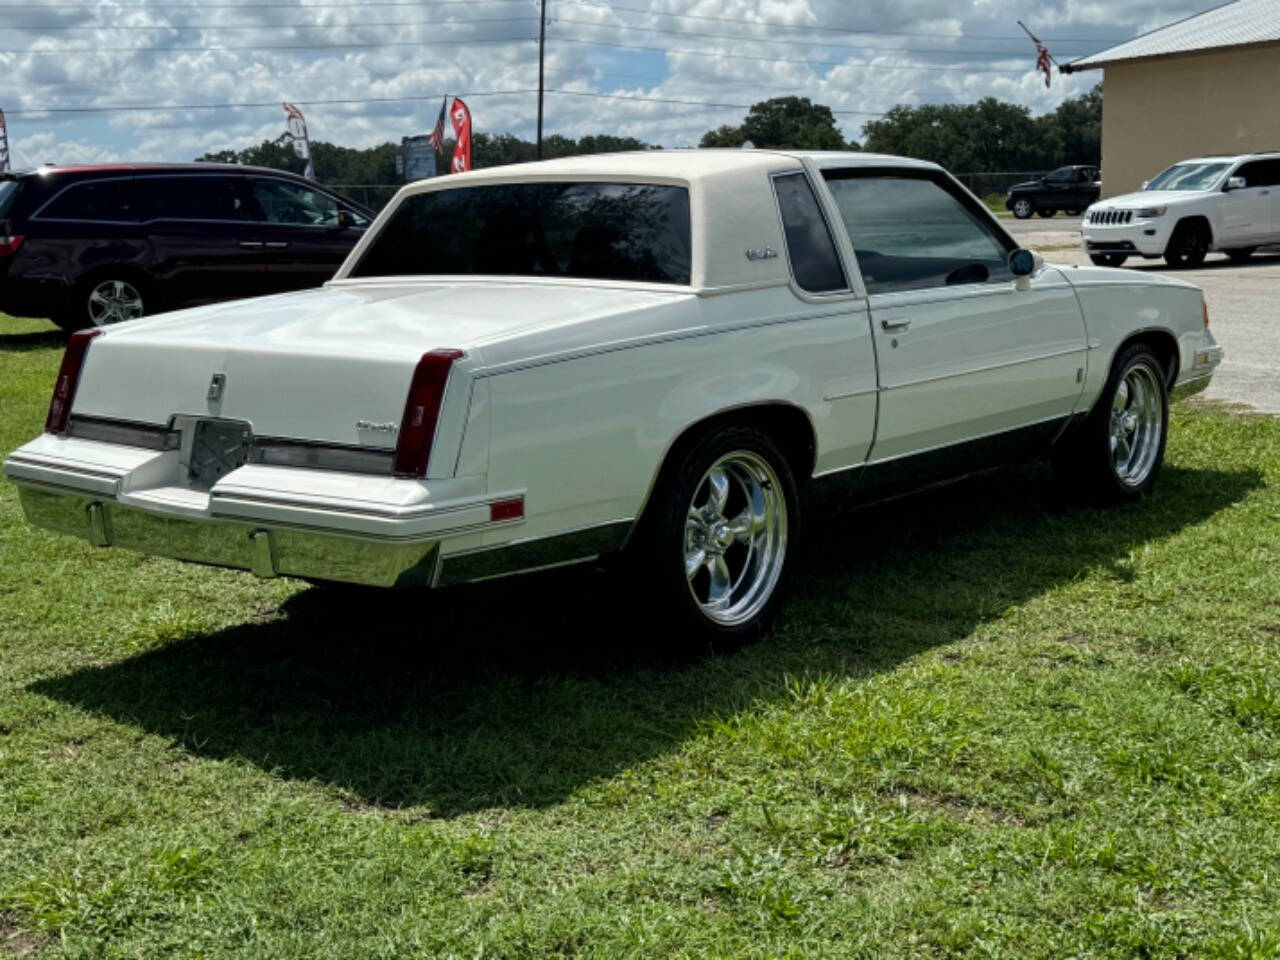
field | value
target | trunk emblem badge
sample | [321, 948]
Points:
[376, 427]
[215, 387]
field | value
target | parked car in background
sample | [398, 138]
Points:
[1226, 203]
[648, 355]
[95, 245]
[1070, 188]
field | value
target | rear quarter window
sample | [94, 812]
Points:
[111, 201]
[8, 194]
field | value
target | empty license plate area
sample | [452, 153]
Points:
[217, 448]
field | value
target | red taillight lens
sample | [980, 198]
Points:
[422, 410]
[64, 389]
[9, 244]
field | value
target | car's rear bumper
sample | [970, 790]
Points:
[273, 521]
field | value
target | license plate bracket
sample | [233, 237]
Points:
[217, 448]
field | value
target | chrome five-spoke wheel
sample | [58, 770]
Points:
[735, 538]
[114, 301]
[1137, 424]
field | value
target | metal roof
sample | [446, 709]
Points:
[1239, 23]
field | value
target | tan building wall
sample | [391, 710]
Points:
[1157, 112]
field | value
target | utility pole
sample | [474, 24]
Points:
[542, 48]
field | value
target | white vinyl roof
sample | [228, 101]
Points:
[1239, 23]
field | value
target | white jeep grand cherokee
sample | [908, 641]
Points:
[1227, 203]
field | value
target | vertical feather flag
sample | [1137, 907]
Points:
[461, 118]
[4, 144]
[296, 127]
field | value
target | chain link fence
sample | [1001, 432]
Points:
[997, 183]
[375, 196]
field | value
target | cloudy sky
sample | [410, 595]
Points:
[397, 57]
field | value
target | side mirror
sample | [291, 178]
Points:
[1144, 184]
[345, 220]
[1235, 183]
[1022, 264]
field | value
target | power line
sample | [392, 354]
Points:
[1007, 54]
[152, 108]
[291, 46]
[271, 104]
[689, 103]
[811, 61]
[76, 7]
[272, 26]
[952, 51]
[774, 25]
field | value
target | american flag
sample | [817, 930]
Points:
[436, 137]
[1042, 60]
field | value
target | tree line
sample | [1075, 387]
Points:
[990, 135]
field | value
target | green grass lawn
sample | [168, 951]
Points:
[986, 725]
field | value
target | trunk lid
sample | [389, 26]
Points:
[319, 364]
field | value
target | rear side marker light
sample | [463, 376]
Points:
[1205, 307]
[421, 411]
[512, 509]
[9, 244]
[64, 388]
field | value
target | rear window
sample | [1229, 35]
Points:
[193, 198]
[101, 200]
[606, 231]
[8, 193]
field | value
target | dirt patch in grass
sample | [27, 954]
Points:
[15, 941]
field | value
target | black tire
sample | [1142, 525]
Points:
[78, 312]
[1109, 259]
[1047, 213]
[1085, 460]
[660, 554]
[1240, 254]
[1023, 208]
[1188, 245]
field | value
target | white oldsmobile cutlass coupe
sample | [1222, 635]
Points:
[648, 354]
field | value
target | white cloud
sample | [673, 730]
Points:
[119, 54]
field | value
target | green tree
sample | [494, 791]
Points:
[794, 122]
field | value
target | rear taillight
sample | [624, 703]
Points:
[422, 410]
[64, 389]
[9, 243]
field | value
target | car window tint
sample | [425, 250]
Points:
[814, 261]
[910, 233]
[8, 193]
[102, 200]
[1260, 173]
[608, 231]
[1062, 173]
[1187, 176]
[193, 198]
[285, 202]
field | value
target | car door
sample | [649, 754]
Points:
[1270, 181]
[306, 233]
[962, 353]
[1246, 211]
[206, 246]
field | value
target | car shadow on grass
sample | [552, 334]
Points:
[518, 692]
[32, 340]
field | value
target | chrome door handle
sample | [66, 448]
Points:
[252, 244]
[277, 244]
[891, 325]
